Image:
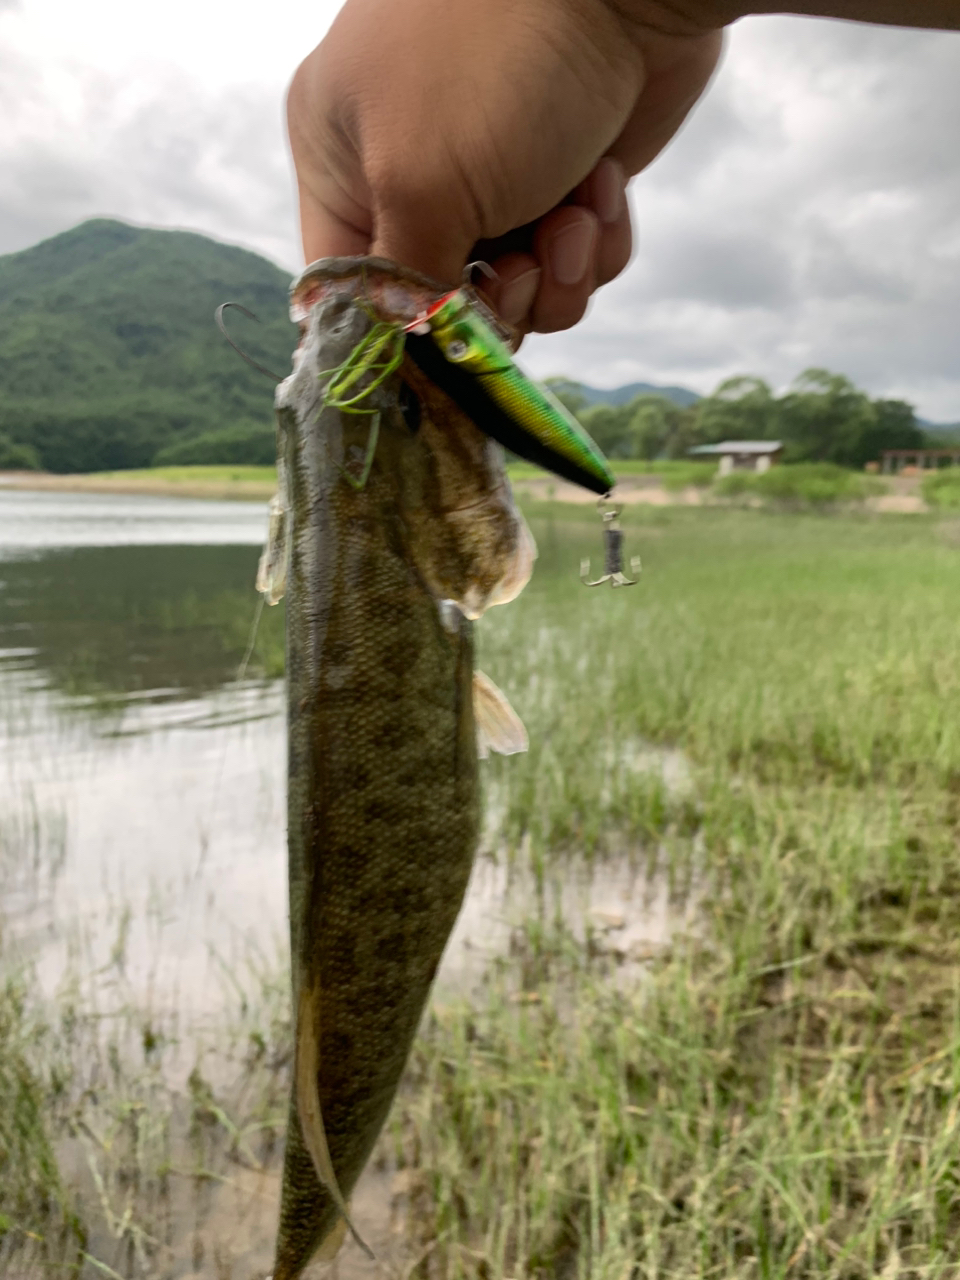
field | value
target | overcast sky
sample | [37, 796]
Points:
[809, 214]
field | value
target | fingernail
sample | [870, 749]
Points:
[608, 187]
[571, 250]
[516, 297]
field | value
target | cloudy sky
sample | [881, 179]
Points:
[809, 214]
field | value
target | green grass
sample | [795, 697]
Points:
[781, 1098]
[219, 474]
[779, 1095]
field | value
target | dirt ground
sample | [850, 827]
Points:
[903, 498]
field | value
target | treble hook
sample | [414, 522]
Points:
[243, 355]
[612, 555]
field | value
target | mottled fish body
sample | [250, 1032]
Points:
[383, 806]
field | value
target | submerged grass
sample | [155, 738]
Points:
[779, 1095]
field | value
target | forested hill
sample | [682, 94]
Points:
[109, 355]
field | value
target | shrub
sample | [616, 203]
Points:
[942, 488]
[803, 484]
[18, 457]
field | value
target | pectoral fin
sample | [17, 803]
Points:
[499, 728]
[311, 1122]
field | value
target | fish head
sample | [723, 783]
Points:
[465, 534]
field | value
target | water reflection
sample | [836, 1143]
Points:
[118, 620]
[32, 522]
[141, 785]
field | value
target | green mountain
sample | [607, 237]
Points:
[110, 358]
[619, 396]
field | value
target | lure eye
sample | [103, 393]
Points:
[459, 343]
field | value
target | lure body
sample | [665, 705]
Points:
[460, 345]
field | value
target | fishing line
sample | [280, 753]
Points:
[242, 669]
[260, 368]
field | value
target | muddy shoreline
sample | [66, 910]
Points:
[649, 490]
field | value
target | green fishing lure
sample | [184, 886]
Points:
[457, 343]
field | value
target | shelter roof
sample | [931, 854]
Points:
[740, 446]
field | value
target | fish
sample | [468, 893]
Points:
[467, 353]
[386, 720]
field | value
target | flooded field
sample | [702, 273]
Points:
[699, 1015]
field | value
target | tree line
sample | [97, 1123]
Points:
[823, 417]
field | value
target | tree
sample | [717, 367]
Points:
[824, 418]
[609, 424]
[894, 426]
[17, 457]
[658, 428]
[741, 408]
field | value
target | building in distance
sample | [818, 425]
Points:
[742, 455]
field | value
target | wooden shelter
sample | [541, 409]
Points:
[895, 460]
[741, 455]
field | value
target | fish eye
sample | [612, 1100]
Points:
[409, 403]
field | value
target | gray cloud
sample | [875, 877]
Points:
[808, 214]
[168, 153]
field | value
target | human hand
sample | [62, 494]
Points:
[436, 131]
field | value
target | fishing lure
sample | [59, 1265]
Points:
[462, 348]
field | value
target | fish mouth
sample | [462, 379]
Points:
[398, 294]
